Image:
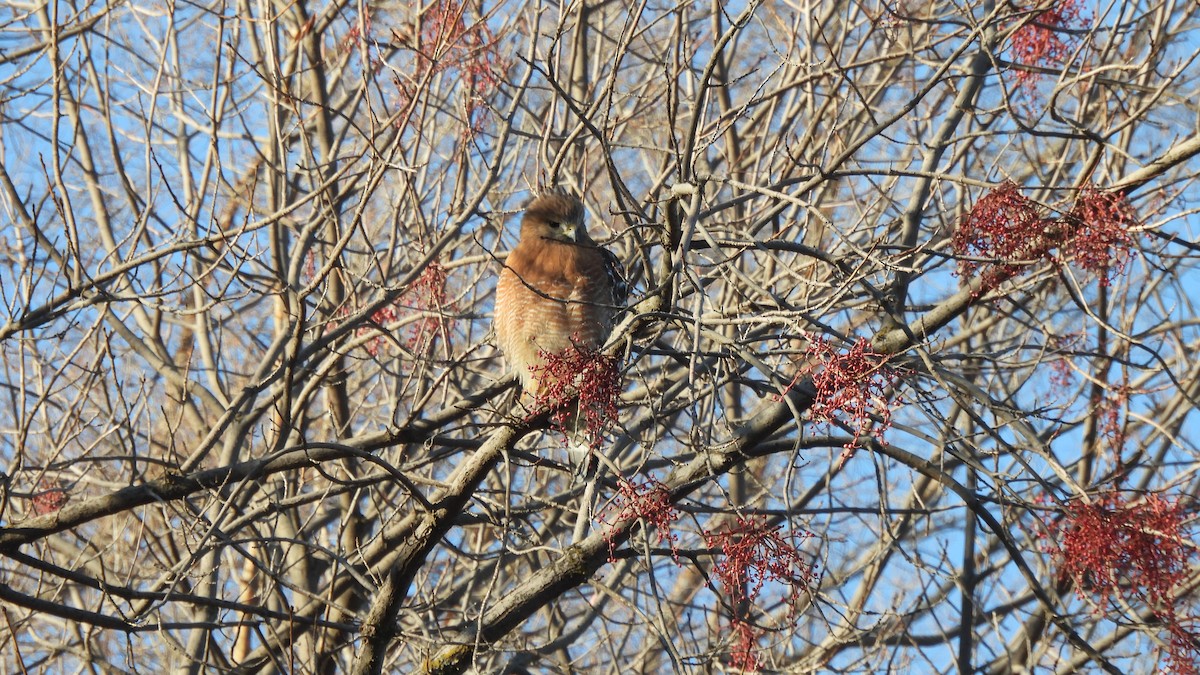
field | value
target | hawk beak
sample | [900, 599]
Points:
[571, 230]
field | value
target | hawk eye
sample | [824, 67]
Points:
[555, 224]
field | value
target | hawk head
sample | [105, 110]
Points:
[556, 215]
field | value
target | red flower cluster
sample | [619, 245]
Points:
[360, 31]
[50, 500]
[743, 657]
[1061, 374]
[1183, 649]
[854, 385]
[754, 553]
[448, 43]
[1111, 541]
[1108, 410]
[1135, 549]
[1098, 227]
[649, 501]
[1003, 225]
[583, 373]
[1043, 40]
[381, 317]
[428, 294]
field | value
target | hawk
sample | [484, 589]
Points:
[558, 289]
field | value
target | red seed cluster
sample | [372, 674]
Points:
[1044, 40]
[583, 373]
[1133, 549]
